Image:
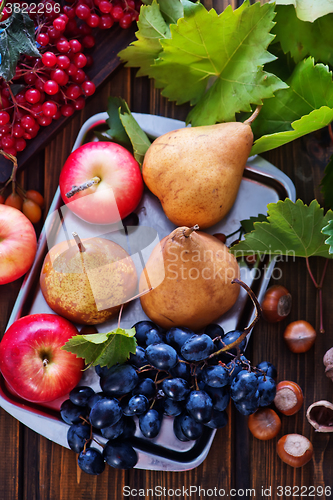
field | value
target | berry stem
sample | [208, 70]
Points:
[82, 187]
[2, 6]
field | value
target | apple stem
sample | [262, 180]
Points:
[78, 242]
[190, 230]
[76, 189]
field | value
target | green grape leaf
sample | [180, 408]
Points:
[315, 120]
[302, 39]
[328, 231]
[327, 185]
[104, 349]
[248, 224]
[143, 51]
[299, 99]
[309, 10]
[116, 132]
[292, 229]
[137, 136]
[216, 62]
[17, 36]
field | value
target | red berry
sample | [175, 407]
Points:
[44, 121]
[93, 20]
[18, 130]
[73, 92]
[90, 60]
[29, 78]
[49, 59]
[4, 117]
[80, 103]
[43, 39]
[105, 7]
[80, 60]
[36, 109]
[126, 21]
[88, 42]
[33, 131]
[11, 151]
[84, 29]
[49, 108]
[88, 88]
[67, 110]
[63, 46]
[53, 33]
[63, 61]
[117, 12]
[105, 22]
[72, 69]
[20, 144]
[39, 84]
[51, 87]
[5, 14]
[79, 76]
[4, 102]
[4, 129]
[28, 121]
[57, 115]
[75, 46]
[7, 141]
[32, 96]
[59, 76]
[82, 11]
[59, 24]
[69, 12]
[72, 27]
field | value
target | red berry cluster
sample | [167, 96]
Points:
[55, 84]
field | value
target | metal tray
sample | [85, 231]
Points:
[262, 184]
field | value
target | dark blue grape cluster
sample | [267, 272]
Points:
[176, 374]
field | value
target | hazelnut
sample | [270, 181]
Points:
[299, 336]
[320, 416]
[289, 397]
[295, 450]
[264, 424]
[276, 304]
[328, 363]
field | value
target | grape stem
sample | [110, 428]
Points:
[246, 330]
[83, 186]
[319, 287]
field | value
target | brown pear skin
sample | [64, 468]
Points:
[89, 286]
[190, 273]
[196, 171]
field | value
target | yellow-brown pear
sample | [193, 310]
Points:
[87, 281]
[196, 171]
[190, 273]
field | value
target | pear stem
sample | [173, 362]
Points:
[190, 230]
[78, 242]
[85, 185]
[253, 116]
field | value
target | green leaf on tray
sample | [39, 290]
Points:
[116, 132]
[248, 224]
[17, 36]
[327, 185]
[328, 231]
[301, 38]
[292, 229]
[104, 349]
[309, 10]
[216, 62]
[137, 136]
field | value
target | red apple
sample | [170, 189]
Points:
[18, 244]
[32, 361]
[119, 184]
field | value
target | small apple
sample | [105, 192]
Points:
[32, 361]
[18, 244]
[116, 182]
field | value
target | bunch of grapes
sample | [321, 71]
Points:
[175, 374]
[56, 84]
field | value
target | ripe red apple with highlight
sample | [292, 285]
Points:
[117, 187]
[32, 361]
[18, 244]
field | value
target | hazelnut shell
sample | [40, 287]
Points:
[320, 416]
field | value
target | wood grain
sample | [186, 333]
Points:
[33, 468]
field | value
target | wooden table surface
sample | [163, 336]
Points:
[34, 468]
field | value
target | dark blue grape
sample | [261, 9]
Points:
[220, 396]
[231, 337]
[171, 408]
[178, 430]
[218, 420]
[105, 412]
[80, 395]
[197, 348]
[120, 380]
[267, 390]
[150, 423]
[244, 385]
[120, 455]
[190, 427]
[129, 427]
[147, 387]
[161, 356]
[91, 461]
[137, 405]
[141, 329]
[78, 436]
[236, 365]
[177, 336]
[71, 413]
[94, 398]
[101, 370]
[213, 330]
[215, 376]
[113, 431]
[268, 368]
[200, 406]
[181, 370]
[248, 406]
[154, 336]
[139, 358]
[176, 388]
